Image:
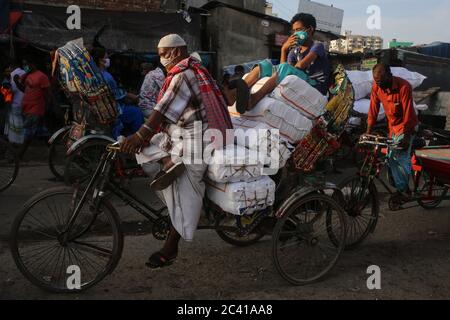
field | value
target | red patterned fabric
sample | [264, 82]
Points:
[216, 109]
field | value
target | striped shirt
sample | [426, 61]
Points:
[182, 102]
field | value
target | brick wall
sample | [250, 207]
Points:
[116, 5]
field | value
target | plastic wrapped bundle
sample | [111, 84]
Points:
[415, 79]
[362, 83]
[293, 126]
[234, 164]
[242, 198]
[363, 106]
[363, 80]
[301, 96]
[264, 139]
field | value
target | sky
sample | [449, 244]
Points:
[418, 21]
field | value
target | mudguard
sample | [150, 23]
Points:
[88, 138]
[303, 192]
[58, 133]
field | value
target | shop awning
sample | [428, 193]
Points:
[45, 26]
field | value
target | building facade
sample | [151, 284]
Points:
[400, 44]
[356, 43]
[269, 10]
[249, 35]
[329, 18]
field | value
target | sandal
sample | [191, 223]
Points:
[242, 95]
[164, 179]
[159, 261]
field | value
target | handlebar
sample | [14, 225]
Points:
[113, 146]
[371, 139]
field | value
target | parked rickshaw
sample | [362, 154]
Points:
[430, 179]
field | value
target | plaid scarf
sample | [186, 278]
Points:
[215, 106]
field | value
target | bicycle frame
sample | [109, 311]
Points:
[102, 172]
[373, 165]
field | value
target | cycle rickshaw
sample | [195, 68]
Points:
[430, 184]
[65, 226]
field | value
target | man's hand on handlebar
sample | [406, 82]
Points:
[132, 145]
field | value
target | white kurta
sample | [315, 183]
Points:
[184, 198]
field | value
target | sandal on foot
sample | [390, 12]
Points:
[164, 179]
[242, 95]
[158, 261]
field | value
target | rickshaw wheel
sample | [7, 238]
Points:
[438, 194]
[234, 237]
[362, 213]
[44, 250]
[57, 156]
[303, 252]
[81, 164]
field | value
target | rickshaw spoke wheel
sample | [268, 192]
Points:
[430, 200]
[48, 253]
[303, 251]
[361, 204]
[57, 156]
[81, 164]
[228, 230]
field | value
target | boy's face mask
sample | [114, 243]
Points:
[302, 37]
[26, 68]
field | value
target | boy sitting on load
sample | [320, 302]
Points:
[301, 56]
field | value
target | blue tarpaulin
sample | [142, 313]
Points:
[436, 49]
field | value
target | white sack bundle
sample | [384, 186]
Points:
[301, 96]
[275, 114]
[235, 163]
[242, 198]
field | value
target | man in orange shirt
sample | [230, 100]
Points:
[37, 94]
[396, 96]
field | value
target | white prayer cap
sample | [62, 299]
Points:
[196, 56]
[172, 41]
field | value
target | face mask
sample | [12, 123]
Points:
[26, 69]
[302, 37]
[107, 63]
[166, 61]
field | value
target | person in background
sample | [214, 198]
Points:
[396, 96]
[14, 124]
[301, 56]
[131, 117]
[6, 96]
[37, 95]
[153, 82]
[144, 69]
